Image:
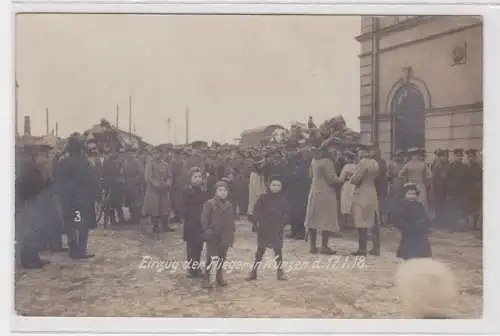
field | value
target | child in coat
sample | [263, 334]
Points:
[217, 219]
[191, 207]
[412, 221]
[270, 214]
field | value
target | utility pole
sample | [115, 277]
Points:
[187, 125]
[169, 130]
[57, 129]
[130, 114]
[47, 121]
[117, 115]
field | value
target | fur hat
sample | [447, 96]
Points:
[193, 170]
[275, 177]
[427, 288]
[221, 184]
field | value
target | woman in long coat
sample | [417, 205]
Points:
[416, 171]
[347, 190]
[157, 198]
[322, 211]
[365, 204]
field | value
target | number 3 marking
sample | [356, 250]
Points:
[78, 216]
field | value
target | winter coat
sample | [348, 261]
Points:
[217, 219]
[322, 208]
[412, 220]
[157, 197]
[365, 204]
[190, 210]
[270, 214]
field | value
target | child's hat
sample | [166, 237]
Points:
[221, 184]
[411, 186]
[275, 177]
[193, 170]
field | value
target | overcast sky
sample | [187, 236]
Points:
[233, 72]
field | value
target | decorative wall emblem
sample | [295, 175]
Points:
[459, 54]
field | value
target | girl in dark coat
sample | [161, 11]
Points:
[412, 220]
[192, 202]
[270, 216]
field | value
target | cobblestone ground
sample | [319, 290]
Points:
[113, 284]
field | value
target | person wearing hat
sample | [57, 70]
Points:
[271, 213]
[439, 168]
[75, 191]
[475, 193]
[365, 204]
[29, 231]
[322, 209]
[456, 190]
[132, 172]
[297, 192]
[395, 182]
[413, 222]
[193, 198]
[347, 190]
[416, 171]
[218, 222]
[157, 206]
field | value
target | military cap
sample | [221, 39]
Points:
[399, 152]
[471, 151]
[349, 153]
[415, 150]
[458, 151]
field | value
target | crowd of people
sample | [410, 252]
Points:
[320, 191]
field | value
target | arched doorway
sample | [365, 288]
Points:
[408, 117]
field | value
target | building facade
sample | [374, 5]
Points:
[421, 82]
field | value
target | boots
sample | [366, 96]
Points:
[312, 241]
[206, 280]
[252, 275]
[362, 242]
[280, 275]
[324, 244]
[220, 279]
[375, 251]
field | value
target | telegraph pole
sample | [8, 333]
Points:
[130, 114]
[117, 115]
[57, 129]
[187, 125]
[47, 121]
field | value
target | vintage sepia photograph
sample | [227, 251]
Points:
[284, 166]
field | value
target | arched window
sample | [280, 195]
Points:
[408, 116]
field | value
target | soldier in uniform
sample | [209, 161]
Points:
[297, 193]
[475, 192]
[440, 168]
[133, 175]
[113, 188]
[75, 194]
[157, 198]
[382, 185]
[28, 232]
[456, 189]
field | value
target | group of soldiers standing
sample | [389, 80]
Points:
[327, 190]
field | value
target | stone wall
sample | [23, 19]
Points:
[421, 50]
